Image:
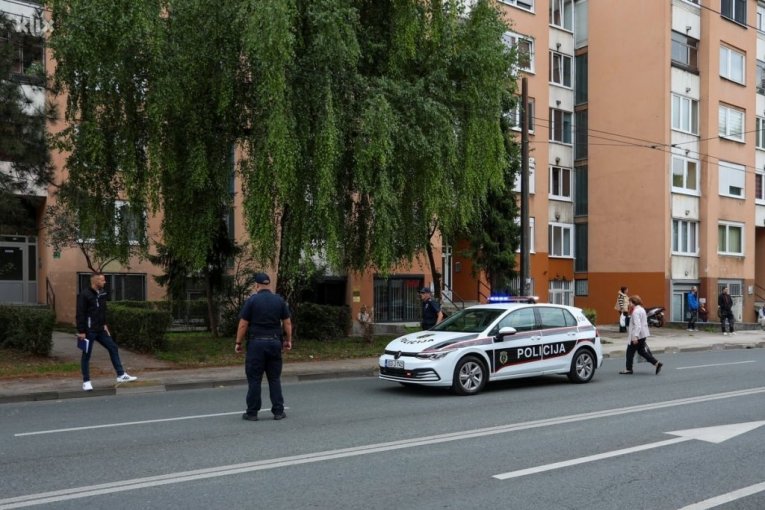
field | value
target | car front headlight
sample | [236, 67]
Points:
[433, 355]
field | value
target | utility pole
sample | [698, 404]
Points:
[525, 241]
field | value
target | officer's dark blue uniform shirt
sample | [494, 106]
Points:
[265, 311]
[430, 309]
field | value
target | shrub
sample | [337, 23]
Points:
[27, 328]
[322, 322]
[591, 314]
[141, 329]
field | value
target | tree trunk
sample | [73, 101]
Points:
[434, 271]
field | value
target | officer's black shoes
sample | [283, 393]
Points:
[658, 367]
[280, 416]
[250, 417]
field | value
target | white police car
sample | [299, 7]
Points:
[493, 342]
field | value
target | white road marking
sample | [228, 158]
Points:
[234, 469]
[709, 434]
[726, 498]
[716, 365]
[127, 423]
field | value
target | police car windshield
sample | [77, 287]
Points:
[472, 320]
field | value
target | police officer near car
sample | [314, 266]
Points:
[263, 319]
[431, 310]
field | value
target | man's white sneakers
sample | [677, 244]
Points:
[87, 386]
[126, 378]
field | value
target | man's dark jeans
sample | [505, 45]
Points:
[726, 316]
[693, 316]
[104, 339]
[264, 355]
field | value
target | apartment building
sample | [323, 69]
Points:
[648, 137]
[647, 168]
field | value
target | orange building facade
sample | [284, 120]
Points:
[647, 169]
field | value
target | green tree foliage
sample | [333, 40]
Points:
[360, 122]
[22, 133]
[494, 235]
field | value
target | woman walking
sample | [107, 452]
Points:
[638, 332]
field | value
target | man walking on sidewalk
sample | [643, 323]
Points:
[91, 325]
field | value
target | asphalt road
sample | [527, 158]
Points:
[619, 441]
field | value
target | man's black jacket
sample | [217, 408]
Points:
[91, 310]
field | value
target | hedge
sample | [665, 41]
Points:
[183, 311]
[322, 322]
[140, 329]
[27, 328]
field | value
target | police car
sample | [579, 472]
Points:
[494, 342]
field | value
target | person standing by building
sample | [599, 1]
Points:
[264, 317]
[91, 325]
[636, 338]
[725, 302]
[693, 309]
[623, 307]
[431, 310]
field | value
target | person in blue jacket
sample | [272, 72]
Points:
[693, 309]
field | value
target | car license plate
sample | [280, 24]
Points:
[394, 363]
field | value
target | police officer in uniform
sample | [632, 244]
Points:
[263, 318]
[431, 310]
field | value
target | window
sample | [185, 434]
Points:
[580, 79]
[759, 123]
[561, 240]
[685, 236]
[581, 147]
[27, 52]
[560, 126]
[685, 175]
[522, 320]
[734, 10]
[759, 186]
[560, 183]
[582, 287]
[760, 17]
[524, 46]
[532, 177]
[130, 222]
[731, 123]
[562, 14]
[730, 238]
[685, 114]
[732, 179]
[581, 194]
[560, 69]
[119, 286]
[561, 292]
[514, 115]
[396, 299]
[760, 80]
[684, 51]
[580, 247]
[732, 64]
[527, 5]
[531, 234]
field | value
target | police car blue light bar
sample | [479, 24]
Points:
[501, 298]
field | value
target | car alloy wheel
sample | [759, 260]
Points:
[469, 376]
[582, 367]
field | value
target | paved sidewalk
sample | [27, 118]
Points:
[155, 375]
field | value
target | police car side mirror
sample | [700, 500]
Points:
[506, 331]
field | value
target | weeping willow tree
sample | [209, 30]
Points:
[376, 123]
[360, 123]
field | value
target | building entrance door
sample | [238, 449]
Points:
[446, 277]
[18, 270]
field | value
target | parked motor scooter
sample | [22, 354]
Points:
[655, 316]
